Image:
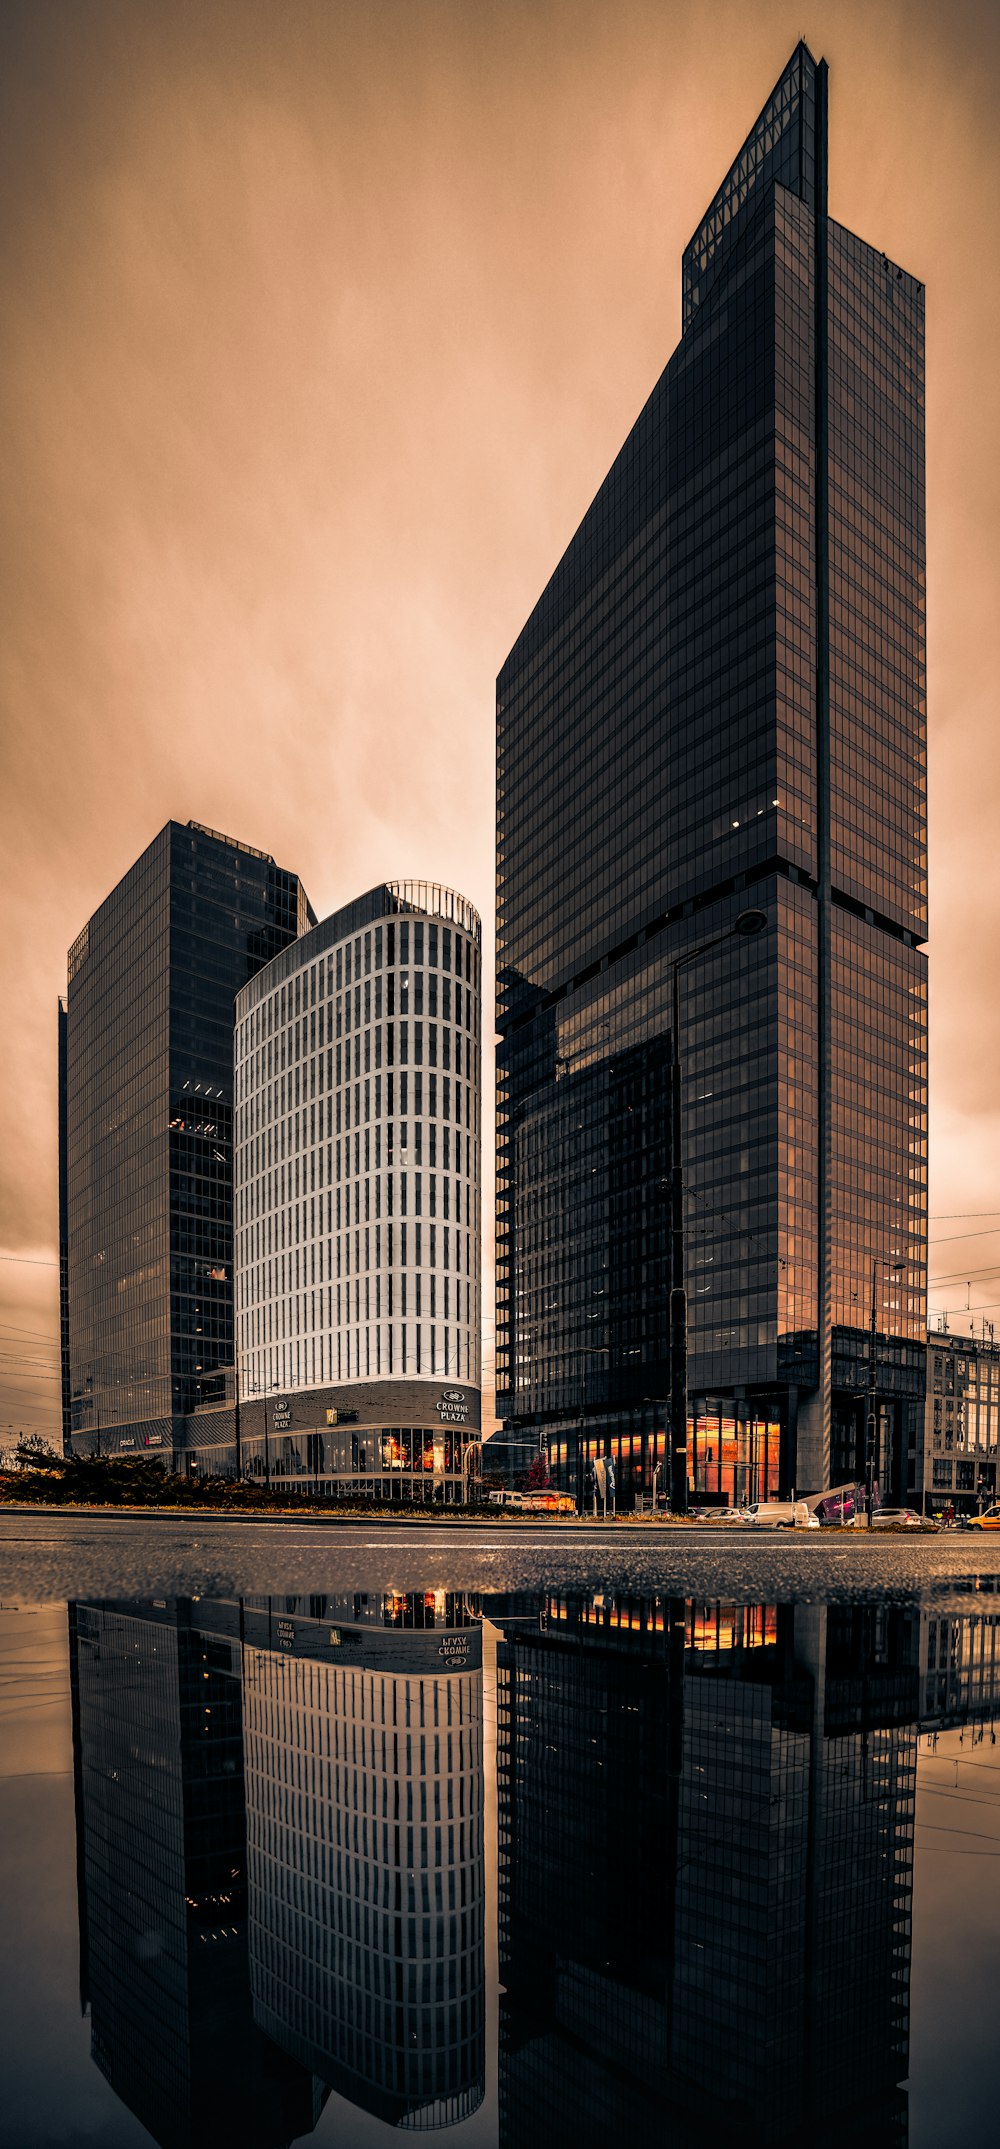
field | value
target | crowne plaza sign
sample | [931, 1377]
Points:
[453, 1407]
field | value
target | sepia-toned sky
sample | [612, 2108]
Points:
[322, 323]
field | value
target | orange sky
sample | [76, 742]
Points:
[323, 323]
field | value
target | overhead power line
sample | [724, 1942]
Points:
[955, 1238]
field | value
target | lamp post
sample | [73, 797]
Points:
[471, 1465]
[589, 1350]
[268, 1388]
[746, 926]
[237, 1427]
[891, 1266]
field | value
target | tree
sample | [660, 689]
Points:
[34, 1453]
[537, 1479]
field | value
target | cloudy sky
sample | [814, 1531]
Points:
[323, 323]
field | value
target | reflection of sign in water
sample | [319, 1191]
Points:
[286, 1634]
[454, 1648]
[453, 1407]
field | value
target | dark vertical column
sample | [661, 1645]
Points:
[813, 1434]
[678, 1434]
[64, 1360]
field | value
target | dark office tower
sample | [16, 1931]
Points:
[718, 704]
[162, 1879]
[146, 1074]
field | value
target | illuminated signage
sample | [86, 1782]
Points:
[453, 1407]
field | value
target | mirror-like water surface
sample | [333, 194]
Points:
[525, 1865]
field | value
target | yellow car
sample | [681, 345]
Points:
[990, 1520]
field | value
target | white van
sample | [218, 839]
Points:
[780, 1515]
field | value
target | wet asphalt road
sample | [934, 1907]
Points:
[46, 1556]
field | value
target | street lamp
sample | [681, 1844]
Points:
[265, 1389]
[892, 1267]
[746, 926]
[588, 1350]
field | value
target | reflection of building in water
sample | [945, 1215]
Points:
[162, 1879]
[705, 1828]
[364, 1773]
[959, 1668]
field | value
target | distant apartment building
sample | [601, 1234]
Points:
[358, 1203]
[146, 1138]
[961, 1423]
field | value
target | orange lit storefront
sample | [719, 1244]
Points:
[733, 1452]
[733, 1456]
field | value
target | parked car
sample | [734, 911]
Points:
[718, 1514]
[780, 1515]
[894, 1518]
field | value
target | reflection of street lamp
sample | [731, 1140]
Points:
[892, 1267]
[749, 923]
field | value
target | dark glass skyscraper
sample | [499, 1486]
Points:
[717, 703]
[146, 1086]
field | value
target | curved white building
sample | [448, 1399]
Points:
[357, 1197]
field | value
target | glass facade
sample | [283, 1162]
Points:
[281, 1859]
[364, 1775]
[358, 1204]
[719, 703]
[146, 1198]
[712, 1943]
[162, 1879]
[961, 1438]
[668, 1846]
[358, 1142]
